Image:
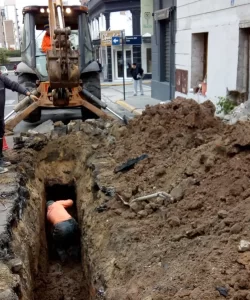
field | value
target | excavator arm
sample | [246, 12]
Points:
[62, 61]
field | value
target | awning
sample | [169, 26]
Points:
[161, 14]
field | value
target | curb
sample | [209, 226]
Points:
[129, 107]
[121, 84]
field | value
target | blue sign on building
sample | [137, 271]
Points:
[116, 41]
[133, 40]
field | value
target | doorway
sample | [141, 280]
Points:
[199, 61]
[243, 72]
[119, 63]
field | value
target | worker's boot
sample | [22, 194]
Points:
[3, 162]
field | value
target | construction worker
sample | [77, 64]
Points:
[46, 43]
[5, 82]
[65, 230]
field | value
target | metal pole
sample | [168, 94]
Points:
[60, 19]
[9, 115]
[114, 113]
[123, 62]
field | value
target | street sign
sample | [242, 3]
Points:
[106, 37]
[162, 14]
[115, 41]
[133, 40]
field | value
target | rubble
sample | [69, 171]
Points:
[240, 113]
[46, 127]
[192, 247]
[244, 246]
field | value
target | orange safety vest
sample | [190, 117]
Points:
[46, 43]
[57, 213]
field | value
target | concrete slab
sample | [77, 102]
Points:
[45, 127]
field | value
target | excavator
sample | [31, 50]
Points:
[65, 76]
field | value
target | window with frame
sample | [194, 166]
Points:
[149, 60]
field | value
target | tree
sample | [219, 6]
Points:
[3, 56]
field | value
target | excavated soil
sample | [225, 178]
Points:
[60, 282]
[153, 250]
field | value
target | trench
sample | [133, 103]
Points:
[58, 280]
[67, 175]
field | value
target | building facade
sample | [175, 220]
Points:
[110, 18]
[163, 49]
[212, 48]
[147, 30]
[12, 26]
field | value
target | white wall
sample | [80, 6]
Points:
[118, 21]
[221, 21]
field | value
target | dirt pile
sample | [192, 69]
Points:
[155, 249]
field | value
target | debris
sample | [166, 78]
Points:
[130, 164]
[8, 295]
[5, 207]
[244, 246]
[174, 221]
[142, 213]
[102, 208]
[74, 126]
[222, 214]
[236, 228]
[239, 113]
[58, 124]
[223, 291]
[159, 194]
[95, 146]
[15, 265]
[136, 207]
[43, 128]
[123, 201]
[177, 193]
[108, 191]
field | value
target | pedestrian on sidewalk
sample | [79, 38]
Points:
[5, 82]
[65, 229]
[137, 74]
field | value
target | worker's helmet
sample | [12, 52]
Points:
[50, 202]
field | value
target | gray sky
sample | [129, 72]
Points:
[21, 3]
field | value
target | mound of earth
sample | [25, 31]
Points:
[158, 249]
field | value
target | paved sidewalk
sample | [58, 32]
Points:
[134, 104]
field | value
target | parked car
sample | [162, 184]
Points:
[4, 70]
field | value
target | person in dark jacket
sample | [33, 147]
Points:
[5, 82]
[137, 74]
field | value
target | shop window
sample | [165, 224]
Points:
[149, 60]
[199, 61]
